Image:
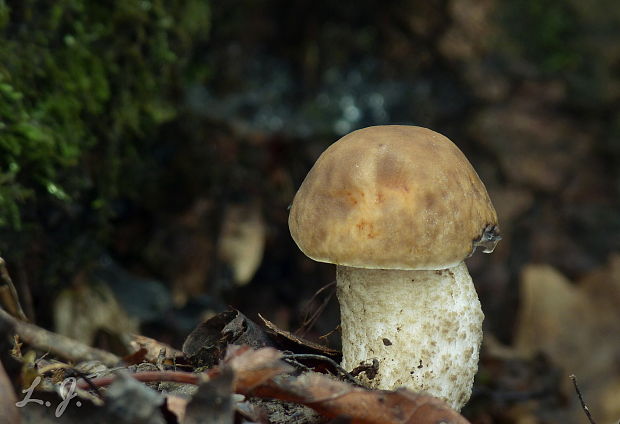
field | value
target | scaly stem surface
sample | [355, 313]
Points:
[424, 327]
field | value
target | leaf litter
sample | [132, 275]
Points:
[230, 369]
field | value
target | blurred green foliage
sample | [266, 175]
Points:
[572, 42]
[545, 32]
[84, 86]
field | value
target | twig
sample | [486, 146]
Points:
[310, 316]
[342, 371]
[583, 404]
[149, 377]
[325, 336]
[73, 372]
[8, 295]
[57, 344]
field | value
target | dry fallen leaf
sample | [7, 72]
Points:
[261, 373]
[208, 342]
[214, 400]
[254, 367]
[577, 327]
[552, 312]
[610, 401]
[334, 398]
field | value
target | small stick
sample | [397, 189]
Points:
[583, 404]
[311, 317]
[148, 377]
[342, 371]
[59, 345]
[325, 336]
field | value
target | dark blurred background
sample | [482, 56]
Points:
[149, 150]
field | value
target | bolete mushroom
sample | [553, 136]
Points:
[398, 209]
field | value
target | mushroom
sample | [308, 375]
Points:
[398, 209]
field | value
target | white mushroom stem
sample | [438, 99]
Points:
[424, 328]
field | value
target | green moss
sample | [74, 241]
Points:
[84, 86]
[544, 32]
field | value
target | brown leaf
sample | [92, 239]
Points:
[255, 367]
[551, 309]
[206, 345]
[334, 398]
[575, 325]
[242, 367]
[260, 373]
[137, 357]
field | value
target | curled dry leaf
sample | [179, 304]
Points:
[334, 398]
[207, 343]
[255, 367]
[576, 326]
[136, 357]
[260, 373]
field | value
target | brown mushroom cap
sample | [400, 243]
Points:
[392, 197]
